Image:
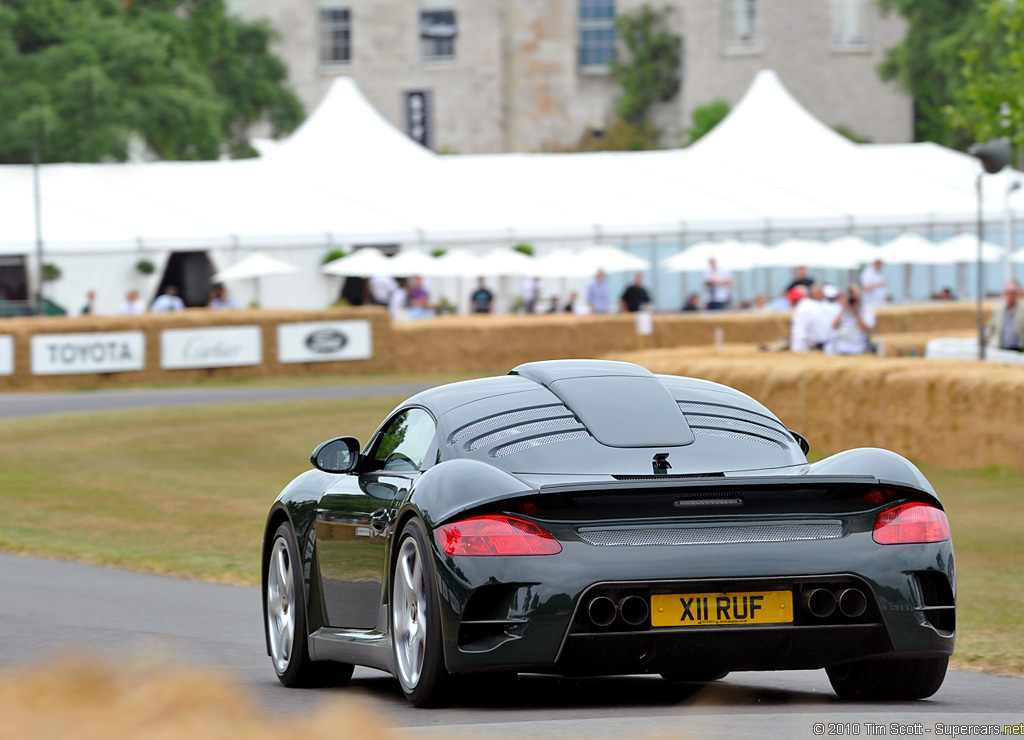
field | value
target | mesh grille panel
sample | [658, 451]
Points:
[512, 417]
[726, 434]
[713, 535]
[728, 411]
[736, 425]
[522, 429]
[535, 441]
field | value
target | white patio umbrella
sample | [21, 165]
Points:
[611, 259]
[408, 263]
[1018, 256]
[807, 253]
[963, 248]
[504, 261]
[362, 263]
[909, 249]
[562, 263]
[460, 263]
[255, 267]
[730, 254]
[857, 249]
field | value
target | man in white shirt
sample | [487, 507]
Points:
[811, 324]
[381, 288]
[168, 301]
[133, 305]
[1006, 330]
[872, 284]
[718, 282]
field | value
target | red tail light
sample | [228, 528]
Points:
[910, 523]
[495, 534]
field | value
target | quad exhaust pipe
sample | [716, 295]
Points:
[818, 602]
[633, 610]
[852, 602]
[602, 611]
[822, 603]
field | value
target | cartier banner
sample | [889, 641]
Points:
[222, 346]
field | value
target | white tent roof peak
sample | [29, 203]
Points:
[346, 126]
[769, 117]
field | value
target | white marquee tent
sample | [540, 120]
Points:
[770, 170]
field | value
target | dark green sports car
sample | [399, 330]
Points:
[589, 518]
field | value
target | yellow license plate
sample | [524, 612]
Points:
[733, 607]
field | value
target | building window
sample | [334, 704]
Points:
[597, 33]
[335, 33]
[742, 23]
[438, 30]
[850, 23]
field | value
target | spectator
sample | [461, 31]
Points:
[635, 296]
[598, 297]
[781, 302]
[872, 284]
[810, 327]
[692, 303]
[132, 305]
[381, 288]
[90, 303]
[531, 294]
[946, 294]
[418, 293]
[219, 299]
[482, 300]
[852, 325]
[168, 301]
[398, 300]
[718, 283]
[800, 279]
[554, 306]
[570, 306]
[1006, 329]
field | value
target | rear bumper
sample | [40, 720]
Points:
[525, 613]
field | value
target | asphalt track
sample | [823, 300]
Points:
[52, 608]
[18, 405]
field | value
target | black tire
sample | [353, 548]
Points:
[285, 619]
[696, 675]
[416, 636]
[904, 679]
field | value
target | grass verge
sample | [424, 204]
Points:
[185, 491]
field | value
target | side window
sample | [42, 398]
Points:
[405, 441]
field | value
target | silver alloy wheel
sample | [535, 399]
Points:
[280, 611]
[408, 614]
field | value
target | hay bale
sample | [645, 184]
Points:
[955, 414]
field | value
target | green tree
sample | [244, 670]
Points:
[991, 101]
[80, 78]
[651, 73]
[928, 64]
[706, 117]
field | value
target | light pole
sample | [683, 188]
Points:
[993, 155]
[1008, 232]
[37, 201]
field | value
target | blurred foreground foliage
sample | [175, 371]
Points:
[88, 80]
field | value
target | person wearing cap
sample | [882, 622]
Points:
[852, 325]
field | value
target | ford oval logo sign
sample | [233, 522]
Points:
[326, 341]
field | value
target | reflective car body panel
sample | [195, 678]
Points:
[652, 485]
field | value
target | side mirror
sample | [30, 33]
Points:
[338, 455]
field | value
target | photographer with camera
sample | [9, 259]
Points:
[852, 326]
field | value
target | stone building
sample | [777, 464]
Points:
[478, 76]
